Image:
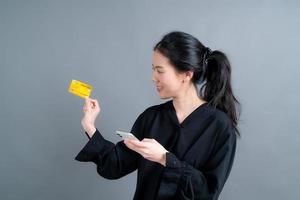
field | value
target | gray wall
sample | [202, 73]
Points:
[45, 44]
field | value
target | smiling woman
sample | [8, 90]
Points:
[186, 145]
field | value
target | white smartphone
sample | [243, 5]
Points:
[125, 135]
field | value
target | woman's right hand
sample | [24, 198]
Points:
[91, 110]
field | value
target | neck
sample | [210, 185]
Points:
[187, 100]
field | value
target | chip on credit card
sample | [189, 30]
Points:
[80, 89]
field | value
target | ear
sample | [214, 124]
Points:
[188, 75]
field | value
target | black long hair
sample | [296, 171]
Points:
[212, 69]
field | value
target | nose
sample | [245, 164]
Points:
[153, 77]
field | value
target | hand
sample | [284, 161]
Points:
[91, 110]
[149, 149]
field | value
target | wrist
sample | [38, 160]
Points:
[90, 129]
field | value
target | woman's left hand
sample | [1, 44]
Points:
[149, 149]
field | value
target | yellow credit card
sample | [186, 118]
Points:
[80, 89]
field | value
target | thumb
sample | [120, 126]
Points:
[88, 103]
[87, 99]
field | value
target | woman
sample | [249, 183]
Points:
[187, 144]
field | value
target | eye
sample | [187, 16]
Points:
[158, 70]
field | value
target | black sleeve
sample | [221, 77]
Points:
[113, 160]
[192, 182]
[87, 135]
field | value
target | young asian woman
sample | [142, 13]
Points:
[186, 145]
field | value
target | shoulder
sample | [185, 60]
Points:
[145, 118]
[221, 118]
[154, 109]
[223, 122]
[150, 112]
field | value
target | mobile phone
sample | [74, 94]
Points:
[125, 135]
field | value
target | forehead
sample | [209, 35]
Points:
[159, 60]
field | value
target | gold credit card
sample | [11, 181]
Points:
[80, 89]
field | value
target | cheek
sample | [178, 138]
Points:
[170, 83]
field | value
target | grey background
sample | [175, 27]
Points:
[45, 44]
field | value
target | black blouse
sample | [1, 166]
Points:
[201, 153]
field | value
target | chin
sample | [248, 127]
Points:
[164, 96]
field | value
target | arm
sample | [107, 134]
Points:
[189, 182]
[113, 160]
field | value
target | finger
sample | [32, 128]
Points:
[137, 146]
[128, 144]
[148, 140]
[96, 103]
[87, 101]
[132, 146]
[137, 143]
[143, 151]
[129, 141]
[84, 108]
[85, 105]
[93, 104]
[90, 101]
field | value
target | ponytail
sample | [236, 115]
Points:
[217, 90]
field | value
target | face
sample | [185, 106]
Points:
[168, 82]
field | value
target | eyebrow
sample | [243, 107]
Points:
[157, 66]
